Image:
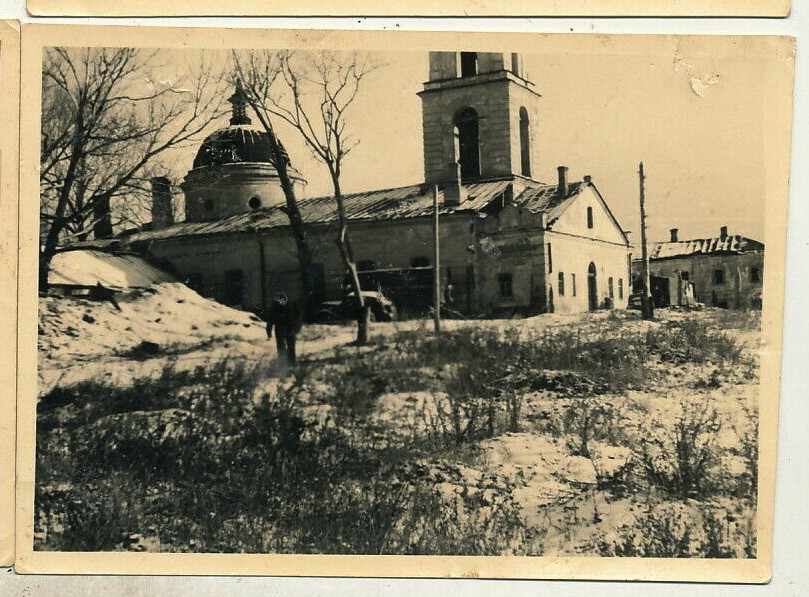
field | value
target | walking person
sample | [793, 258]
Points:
[285, 317]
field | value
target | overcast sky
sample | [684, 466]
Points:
[696, 125]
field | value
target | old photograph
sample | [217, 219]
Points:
[392, 299]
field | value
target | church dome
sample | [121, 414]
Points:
[238, 143]
[234, 144]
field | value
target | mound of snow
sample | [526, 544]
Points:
[170, 315]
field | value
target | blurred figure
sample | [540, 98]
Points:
[285, 317]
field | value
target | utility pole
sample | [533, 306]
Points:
[437, 264]
[647, 307]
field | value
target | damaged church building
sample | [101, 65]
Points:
[509, 244]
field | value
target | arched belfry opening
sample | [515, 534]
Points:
[490, 136]
[525, 143]
[467, 142]
[469, 64]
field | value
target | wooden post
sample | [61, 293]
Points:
[647, 307]
[436, 264]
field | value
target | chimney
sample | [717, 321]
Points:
[454, 192]
[588, 179]
[723, 232]
[162, 212]
[673, 232]
[562, 187]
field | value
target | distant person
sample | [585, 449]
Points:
[285, 317]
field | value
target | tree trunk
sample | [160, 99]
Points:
[295, 220]
[347, 255]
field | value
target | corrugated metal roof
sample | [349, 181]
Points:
[413, 201]
[733, 243]
[87, 268]
[546, 198]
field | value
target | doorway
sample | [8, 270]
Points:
[592, 287]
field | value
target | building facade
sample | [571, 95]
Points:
[725, 271]
[509, 243]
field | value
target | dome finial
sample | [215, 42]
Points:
[239, 102]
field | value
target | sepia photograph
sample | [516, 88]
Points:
[364, 295]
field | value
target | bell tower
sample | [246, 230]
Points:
[479, 115]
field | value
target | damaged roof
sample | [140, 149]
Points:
[85, 268]
[413, 201]
[733, 243]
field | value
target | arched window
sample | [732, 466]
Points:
[469, 64]
[561, 284]
[467, 142]
[610, 288]
[589, 217]
[525, 143]
[620, 288]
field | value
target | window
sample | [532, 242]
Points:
[469, 64]
[686, 276]
[504, 282]
[420, 262]
[718, 277]
[515, 64]
[467, 142]
[234, 287]
[755, 274]
[366, 265]
[254, 202]
[573, 284]
[589, 217]
[525, 143]
[610, 288]
[561, 284]
[194, 281]
[620, 288]
[550, 259]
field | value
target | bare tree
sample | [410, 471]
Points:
[313, 93]
[106, 117]
[281, 162]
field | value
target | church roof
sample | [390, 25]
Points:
[413, 201]
[732, 243]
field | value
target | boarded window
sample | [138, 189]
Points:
[620, 288]
[469, 64]
[573, 284]
[525, 143]
[719, 276]
[467, 142]
[610, 288]
[589, 217]
[505, 285]
[755, 274]
[561, 284]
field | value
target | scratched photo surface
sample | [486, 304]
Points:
[405, 302]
